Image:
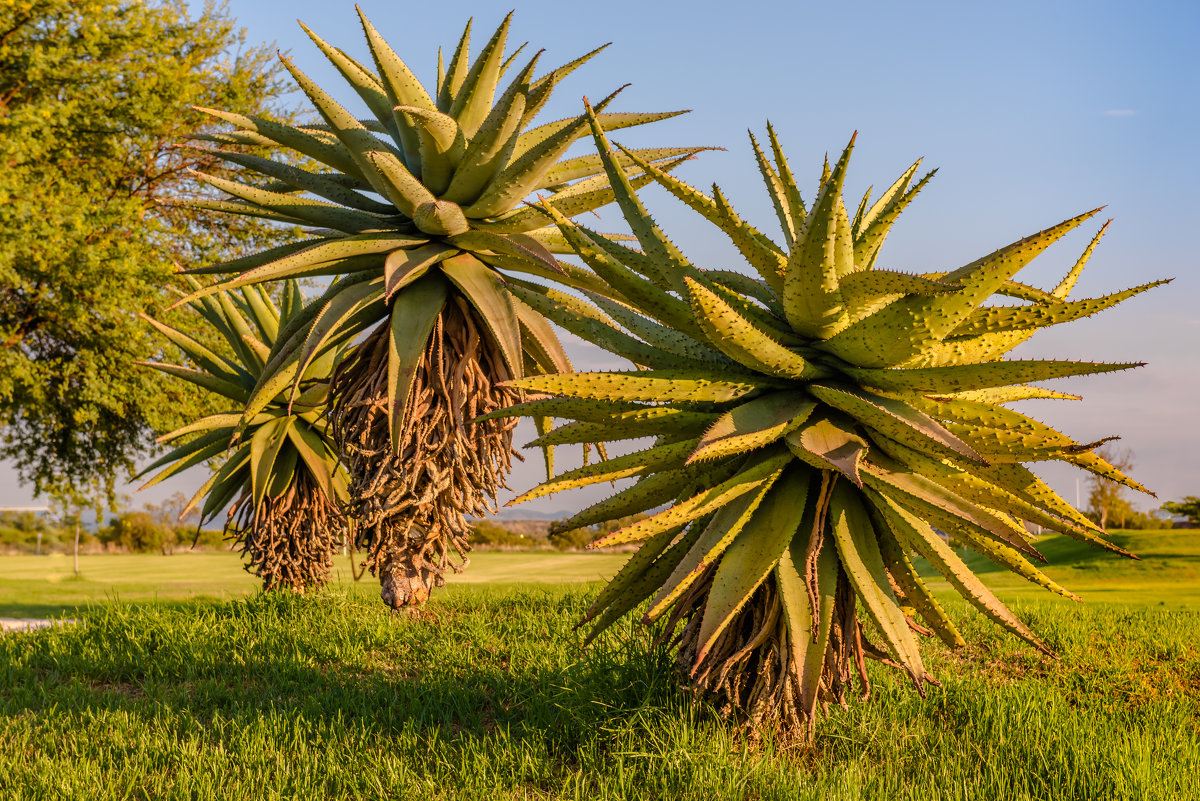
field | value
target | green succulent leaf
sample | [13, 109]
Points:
[858, 550]
[753, 424]
[410, 322]
[753, 554]
[649, 386]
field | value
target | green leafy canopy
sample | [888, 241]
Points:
[93, 98]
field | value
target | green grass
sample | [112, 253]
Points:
[1167, 571]
[40, 586]
[486, 694]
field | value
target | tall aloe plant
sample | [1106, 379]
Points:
[419, 217]
[816, 427]
[279, 473]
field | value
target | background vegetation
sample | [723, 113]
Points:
[94, 104]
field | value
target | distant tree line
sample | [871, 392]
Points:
[489, 534]
[156, 528]
[1109, 506]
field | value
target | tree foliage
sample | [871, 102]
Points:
[1189, 507]
[95, 96]
[1106, 498]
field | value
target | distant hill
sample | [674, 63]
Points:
[529, 514]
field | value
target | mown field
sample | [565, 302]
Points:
[486, 693]
[39, 586]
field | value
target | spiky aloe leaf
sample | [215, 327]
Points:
[887, 391]
[754, 424]
[429, 192]
[284, 480]
[723, 527]
[752, 555]
[650, 385]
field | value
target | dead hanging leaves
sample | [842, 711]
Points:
[291, 539]
[412, 505]
[749, 672]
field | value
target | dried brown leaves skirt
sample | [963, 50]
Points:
[751, 674]
[291, 539]
[411, 506]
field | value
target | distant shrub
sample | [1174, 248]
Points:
[139, 532]
[485, 532]
[573, 540]
[25, 539]
[209, 539]
[23, 521]
[580, 538]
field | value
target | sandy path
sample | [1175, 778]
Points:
[25, 624]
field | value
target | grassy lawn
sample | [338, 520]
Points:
[38, 586]
[486, 693]
[1167, 572]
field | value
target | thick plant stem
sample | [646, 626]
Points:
[412, 504]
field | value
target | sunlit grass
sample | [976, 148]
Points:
[37, 586]
[487, 694]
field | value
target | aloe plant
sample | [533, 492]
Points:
[816, 426]
[278, 473]
[419, 215]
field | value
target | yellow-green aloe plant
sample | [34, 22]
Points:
[420, 217]
[278, 473]
[818, 425]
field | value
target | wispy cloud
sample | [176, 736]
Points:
[1119, 112]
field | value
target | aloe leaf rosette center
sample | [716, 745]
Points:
[417, 214]
[820, 425]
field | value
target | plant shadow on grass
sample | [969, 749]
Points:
[449, 672]
[488, 688]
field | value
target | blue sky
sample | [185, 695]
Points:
[1033, 112]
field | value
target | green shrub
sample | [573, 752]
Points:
[139, 532]
[575, 539]
[487, 533]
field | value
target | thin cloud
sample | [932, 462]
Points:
[1119, 112]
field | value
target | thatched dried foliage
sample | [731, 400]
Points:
[749, 674]
[290, 539]
[411, 505]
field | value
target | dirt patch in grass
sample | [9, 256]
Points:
[29, 624]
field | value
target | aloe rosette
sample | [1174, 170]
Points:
[278, 472]
[817, 426]
[419, 214]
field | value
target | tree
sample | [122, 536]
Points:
[138, 532]
[1189, 507]
[799, 479]
[174, 513]
[94, 100]
[1106, 498]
